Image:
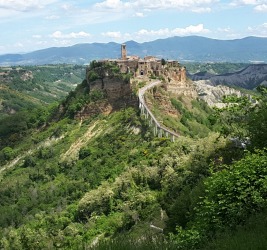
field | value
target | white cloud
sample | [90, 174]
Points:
[225, 30]
[24, 5]
[191, 5]
[261, 8]
[248, 2]
[197, 29]
[112, 34]
[110, 4]
[72, 35]
[139, 14]
[148, 35]
[260, 30]
[66, 6]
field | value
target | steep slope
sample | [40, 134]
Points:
[83, 178]
[249, 77]
[213, 95]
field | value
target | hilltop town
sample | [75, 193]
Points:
[149, 66]
[114, 76]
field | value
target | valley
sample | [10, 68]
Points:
[89, 171]
[33, 86]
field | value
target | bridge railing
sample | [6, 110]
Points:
[159, 130]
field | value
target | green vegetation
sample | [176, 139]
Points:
[30, 87]
[189, 117]
[105, 182]
[102, 70]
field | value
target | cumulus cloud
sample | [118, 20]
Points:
[112, 34]
[139, 14]
[23, 5]
[260, 30]
[248, 2]
[192, 5]
[72, 35]
[146, 35]
[192, 29]
[225, 30]
[111, 4]
[261, 8]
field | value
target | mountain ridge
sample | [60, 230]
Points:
[249, 78]
[188, 48]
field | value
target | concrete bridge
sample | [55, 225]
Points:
[158, 129]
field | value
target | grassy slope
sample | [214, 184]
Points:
[110, 182]
[251, 235]
[47, 84]
[191, 117]
[107, 176]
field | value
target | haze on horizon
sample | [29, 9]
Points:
[29, 25]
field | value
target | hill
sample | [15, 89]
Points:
[250, 77]
[26, 87]
[90, 175]
[193, 48]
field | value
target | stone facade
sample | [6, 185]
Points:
[149, 66]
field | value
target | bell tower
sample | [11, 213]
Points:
[123, 52]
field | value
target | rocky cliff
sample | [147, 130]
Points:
[213, 95]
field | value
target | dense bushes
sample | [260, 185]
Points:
[231, 197]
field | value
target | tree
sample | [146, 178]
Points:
[257, 123]
[7, 153]
[233, 118]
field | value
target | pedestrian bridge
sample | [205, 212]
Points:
[158, 129]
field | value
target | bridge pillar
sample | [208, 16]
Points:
[159, 132]
[155, 130]
[167, 134]
[142, 109]
[146, 113]
[151, 121]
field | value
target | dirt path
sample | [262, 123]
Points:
[19, 158]
[73, 151]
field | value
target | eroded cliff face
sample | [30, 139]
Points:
[182, 88]
[213, 95]
[114, 88]
[117, 94]
[91, 109]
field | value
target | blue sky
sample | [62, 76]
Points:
[28, 25]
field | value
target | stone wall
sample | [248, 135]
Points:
[113, 87]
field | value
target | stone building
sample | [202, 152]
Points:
[149, 66]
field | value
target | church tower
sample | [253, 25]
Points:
[123, 52]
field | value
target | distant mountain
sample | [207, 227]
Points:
[249, 77]
[192, 48]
